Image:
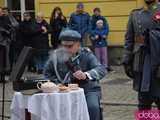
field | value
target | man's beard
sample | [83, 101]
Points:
[148, 2]
[61, 55]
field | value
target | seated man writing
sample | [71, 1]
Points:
[73, 64]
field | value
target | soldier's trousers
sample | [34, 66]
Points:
[93, 103]
[145, 101]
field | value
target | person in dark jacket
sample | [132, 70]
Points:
[41, 41]
[26, 29]
[80, 21]
[137, 55]
[57, 23]
[97, 16]
[11, 25]
[18, 44]
[4, 44]
[26, 35]
[98, 37]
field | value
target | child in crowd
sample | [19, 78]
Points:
[98, 37]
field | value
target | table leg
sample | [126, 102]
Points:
[27, 115]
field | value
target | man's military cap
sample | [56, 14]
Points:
[69, 35]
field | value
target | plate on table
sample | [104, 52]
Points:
[73, 86]
[63, 88]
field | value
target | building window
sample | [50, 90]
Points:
[29, 4]
[14, 4]
[30, 7]
[18, 7]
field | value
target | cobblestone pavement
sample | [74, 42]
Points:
[119, 100]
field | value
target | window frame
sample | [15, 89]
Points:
[22, 8]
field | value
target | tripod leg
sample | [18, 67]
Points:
[101, 113]
[27, 115]
[3, 94]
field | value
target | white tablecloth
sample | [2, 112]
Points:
[51, 106]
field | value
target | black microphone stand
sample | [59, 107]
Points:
[2, 75]
[2, 79]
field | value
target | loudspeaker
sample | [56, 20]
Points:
[19, 67]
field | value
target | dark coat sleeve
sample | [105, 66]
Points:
[129, 41]
[106, 25]
[89, 23]
[64, 22]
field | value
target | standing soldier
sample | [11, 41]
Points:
[137, 60]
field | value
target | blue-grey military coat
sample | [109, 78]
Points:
[87, 62]
[139, 21]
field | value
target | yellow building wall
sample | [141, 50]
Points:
[1, 3]
[115, 11]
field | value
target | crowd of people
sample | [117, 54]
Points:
[34, 32]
